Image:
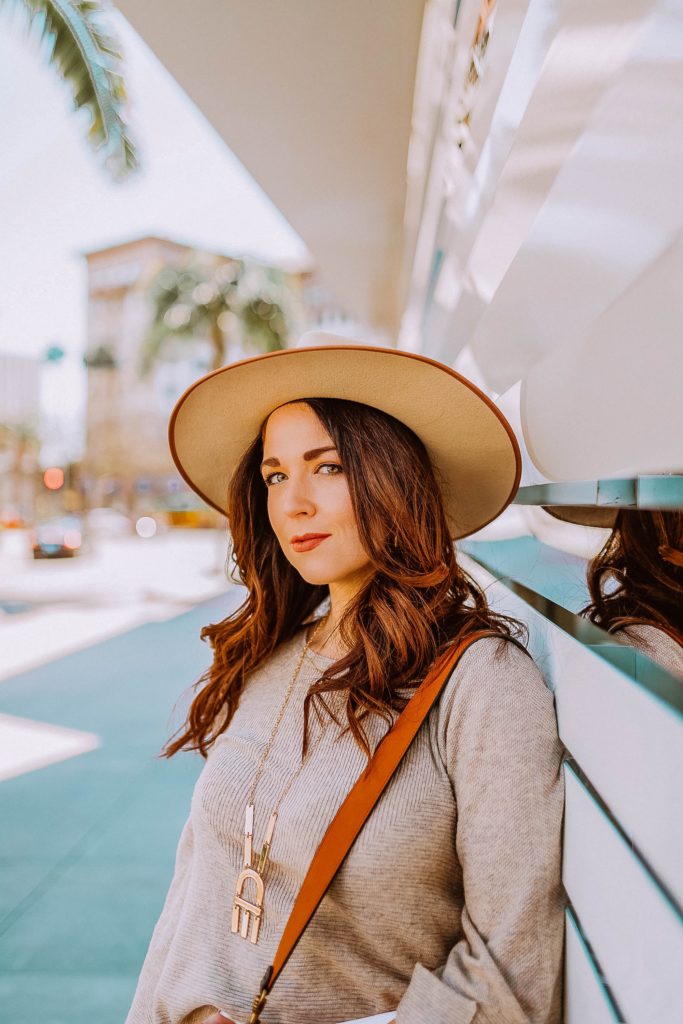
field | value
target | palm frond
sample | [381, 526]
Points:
[159, 344]
[188, 302]
[88, 58]
[264, 327]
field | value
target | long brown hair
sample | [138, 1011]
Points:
[642, 560]
[416, 603]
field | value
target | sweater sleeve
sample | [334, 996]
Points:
[141, 1010]
[498, 734]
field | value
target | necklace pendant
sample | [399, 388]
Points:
[246, 912]
[263, 856]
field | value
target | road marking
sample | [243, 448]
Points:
[26, 745]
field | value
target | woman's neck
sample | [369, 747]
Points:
[324, 639]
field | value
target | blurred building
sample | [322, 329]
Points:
[19, 415]
[125, 416]
[127, 460]
[19, 389]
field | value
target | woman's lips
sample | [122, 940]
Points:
[309, 543]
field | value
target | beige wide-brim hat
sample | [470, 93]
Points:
[472, 446]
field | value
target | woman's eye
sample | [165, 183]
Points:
[328, 468]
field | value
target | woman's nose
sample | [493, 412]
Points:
[298, 499]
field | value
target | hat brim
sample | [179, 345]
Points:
[471, 444]
[604, 518]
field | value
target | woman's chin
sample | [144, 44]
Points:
[317, 578]
[320, 573]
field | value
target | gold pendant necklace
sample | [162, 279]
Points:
[247, 911]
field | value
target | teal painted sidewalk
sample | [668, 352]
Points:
[87, 846]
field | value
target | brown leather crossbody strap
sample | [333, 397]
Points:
[354, 811]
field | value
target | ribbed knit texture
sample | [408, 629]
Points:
[657, 644]
[449, 905]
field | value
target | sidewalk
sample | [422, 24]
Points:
[87, 845]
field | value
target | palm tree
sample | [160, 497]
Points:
[77, 42]
[229, 303]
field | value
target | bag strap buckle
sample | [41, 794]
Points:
[260, 1000]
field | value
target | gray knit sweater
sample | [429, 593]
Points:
[449, 906]
[657, 644]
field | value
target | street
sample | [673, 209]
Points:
[49, 608]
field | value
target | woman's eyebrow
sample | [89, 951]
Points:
[307, 456]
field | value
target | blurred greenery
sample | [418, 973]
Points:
[101, 358]
[229, 303]
[23, 434]
[77, 42]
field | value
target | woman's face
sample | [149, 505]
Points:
[308, 496]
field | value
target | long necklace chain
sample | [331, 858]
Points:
[290, 688]
[249, 911]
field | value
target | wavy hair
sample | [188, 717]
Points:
[416, 602]
[643, 560]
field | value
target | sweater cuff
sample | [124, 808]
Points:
[427, 998]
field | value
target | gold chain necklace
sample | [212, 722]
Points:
[246, 912]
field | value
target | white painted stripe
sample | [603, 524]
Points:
[629, 743]
[26, 745]
[634, 932]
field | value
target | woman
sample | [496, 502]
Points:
[449, 907]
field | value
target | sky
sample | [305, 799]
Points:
[56, 201]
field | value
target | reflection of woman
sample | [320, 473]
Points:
[636, 580]
[643, 560]
[449, 905]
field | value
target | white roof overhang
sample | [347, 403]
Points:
[315, 100]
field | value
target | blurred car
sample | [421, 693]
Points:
[61, 537]
[179, 511]
[108, 522]
[192, 518]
